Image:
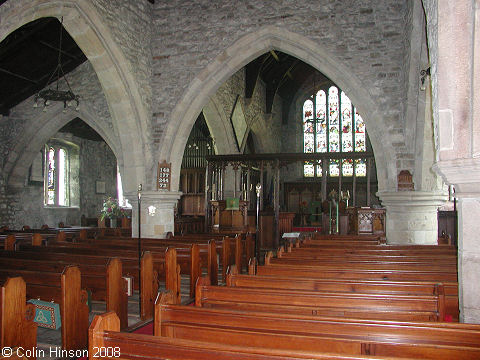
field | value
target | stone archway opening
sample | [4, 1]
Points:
[129, 114]
[246, 49]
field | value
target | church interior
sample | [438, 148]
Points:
[172, 161]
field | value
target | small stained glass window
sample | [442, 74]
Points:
[308, 169]
[56, 184]
[360, 167]
[334, 168]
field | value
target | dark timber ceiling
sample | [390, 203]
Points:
[28, 57]
[283, 75]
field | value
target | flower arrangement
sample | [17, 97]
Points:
[111, 209]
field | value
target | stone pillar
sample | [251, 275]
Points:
[412, 216]
[156, 211]
[465, 175]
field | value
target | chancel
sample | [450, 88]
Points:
[322, 151]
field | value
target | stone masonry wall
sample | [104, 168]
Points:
[266, 128]
[97, 162]
[84, 82]
[131, 26]
[369, 37]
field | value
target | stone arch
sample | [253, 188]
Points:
[129, 115]
[40, 131]
[249, 47]
[219, 126]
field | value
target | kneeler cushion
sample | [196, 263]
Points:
[47, 314]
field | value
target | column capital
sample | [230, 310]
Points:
[412, 198]
[412, 215]
[156, 212]
[158, 197]
[463, 173]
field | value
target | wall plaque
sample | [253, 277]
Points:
[164, 176]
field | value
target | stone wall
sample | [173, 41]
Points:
[266, 128]
[131, 26]
[26, 207]
[368, 37]
[24, 123]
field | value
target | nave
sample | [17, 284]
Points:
[318, 296]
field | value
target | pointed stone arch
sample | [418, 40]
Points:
[40, 131]
[129, 115]
[249, 47]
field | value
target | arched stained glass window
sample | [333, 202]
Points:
[57, 176]
[336, 127]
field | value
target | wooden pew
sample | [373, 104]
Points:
[343, 336]
[17, 328]
[184, 254]
[101, 275]
[350, 286]
[354, 305]
[65, 289]
[104, 333]
[362, 274]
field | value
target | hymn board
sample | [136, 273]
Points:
[164, 176]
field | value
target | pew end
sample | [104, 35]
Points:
[16, 316]
[201, 282]
[252, 266]
[10, 243]
[232, 270]
[105, 322]
[149, 285]
[75, 323]
[195, 268]
[117, 298]
[268, 257]
[164, 298]
[37, 239]
[212, 262]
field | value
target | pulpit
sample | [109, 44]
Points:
[366, 221]
[226, 218]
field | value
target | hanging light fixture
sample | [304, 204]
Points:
[54, 94]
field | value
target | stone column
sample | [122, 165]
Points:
[465, 175]
[412, 216]
[156, 211]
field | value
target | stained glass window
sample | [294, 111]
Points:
[308, 127]
[50, 198]
[321, 109]
[308, 169]
[334, 168]
[360, 167]
[347, 137]
[332, 124]
[56, 186]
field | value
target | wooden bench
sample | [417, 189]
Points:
[362, 274]
[350, 286]
[63, 288]
[102, 275]
[17, 328]
[354, 305]
[104, 333]
[343, 336]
